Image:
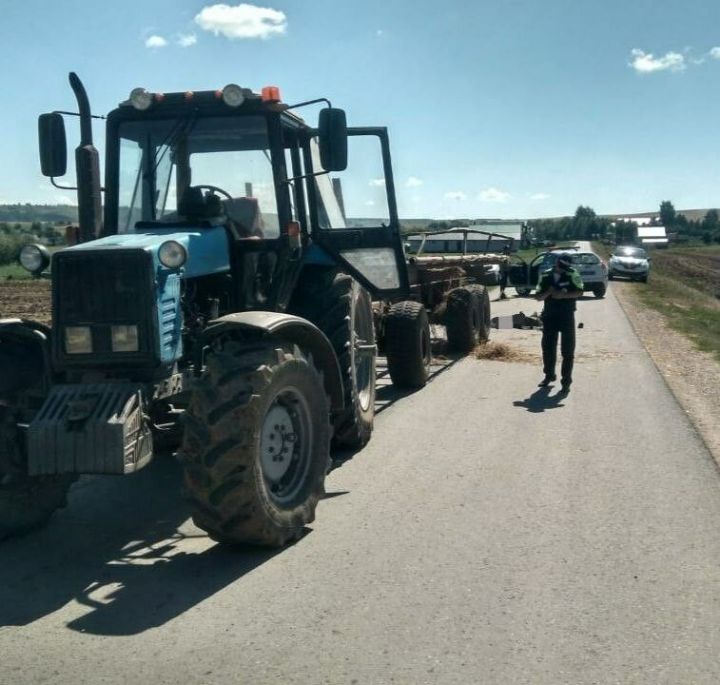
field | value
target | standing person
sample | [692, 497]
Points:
[504, 269]
[558, 288]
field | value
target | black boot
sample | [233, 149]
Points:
[547, 381]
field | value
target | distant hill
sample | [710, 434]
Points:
[30, 212]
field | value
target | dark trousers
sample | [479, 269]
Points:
[564, 326]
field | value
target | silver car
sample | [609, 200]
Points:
[629, 262]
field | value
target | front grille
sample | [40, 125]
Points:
[101, 288]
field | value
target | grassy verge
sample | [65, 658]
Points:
[14, 271]
[684, 286]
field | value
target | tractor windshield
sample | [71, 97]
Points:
[228, 156]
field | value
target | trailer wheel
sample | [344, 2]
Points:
[26, 502]
[408, 345]
[256, 445]
[463, 318]
[484, 325]
[342, 309]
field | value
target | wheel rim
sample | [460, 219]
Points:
[285, 445]
[364, 354]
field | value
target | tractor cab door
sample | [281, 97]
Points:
[355, 213]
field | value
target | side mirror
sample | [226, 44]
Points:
[53, 146]
[333, 139]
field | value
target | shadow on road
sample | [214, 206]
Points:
[122, 551]
[125, 551]
[541, 400]
[386, 394]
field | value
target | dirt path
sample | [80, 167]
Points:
[693, 376]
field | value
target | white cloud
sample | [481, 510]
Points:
[493, 195]
[715, 53]
[646, 63]
[539, 196]
[413, 182]
[186, 40]
[242, 21]
[377, 183]
[155, 41]
[455, 195]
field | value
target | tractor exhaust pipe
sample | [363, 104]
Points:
[87, 164]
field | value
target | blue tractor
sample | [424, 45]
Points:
[216, 304]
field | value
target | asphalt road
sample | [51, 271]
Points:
[489, 533]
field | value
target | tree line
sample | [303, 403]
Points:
[585, 224]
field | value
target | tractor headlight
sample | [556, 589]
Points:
[140, 98]
[172, 254]
[78, 340]
[124, 338]
[232, 95]
[34, 258]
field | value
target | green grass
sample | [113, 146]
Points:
[687, 303]
[687, 310]
[14, 271]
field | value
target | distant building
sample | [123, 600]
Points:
[639, 220]
[652, 235]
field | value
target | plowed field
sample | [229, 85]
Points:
[28, 299]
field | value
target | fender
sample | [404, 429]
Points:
[24, 356]
[289, 328]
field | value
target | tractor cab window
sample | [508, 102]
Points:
[170, 168]
[355, 197]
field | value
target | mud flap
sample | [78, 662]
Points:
[90, 429]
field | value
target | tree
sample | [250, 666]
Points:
[711, 222]
[667, 214]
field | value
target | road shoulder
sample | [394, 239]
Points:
[692, 375]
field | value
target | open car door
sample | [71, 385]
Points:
[357, 215]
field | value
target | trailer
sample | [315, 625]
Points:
[446, 290]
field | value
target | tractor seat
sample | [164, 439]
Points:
[245, 217]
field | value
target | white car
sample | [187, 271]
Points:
[592, 270]
[630, 262]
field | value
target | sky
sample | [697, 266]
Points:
[495, 108]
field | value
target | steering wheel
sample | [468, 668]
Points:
[215, 189]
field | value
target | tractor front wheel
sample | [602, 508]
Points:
[26, 502]
[256, 444]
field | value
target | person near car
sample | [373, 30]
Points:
[559, 288]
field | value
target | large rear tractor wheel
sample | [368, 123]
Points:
[256, 444]
[26, 502]
[342, 309]
[408, 344]
[463, 318]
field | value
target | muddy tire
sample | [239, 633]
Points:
[26, 502]
[462, 319]
[485, 320]
[408, 344]
[256, 444]
[342, 309]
